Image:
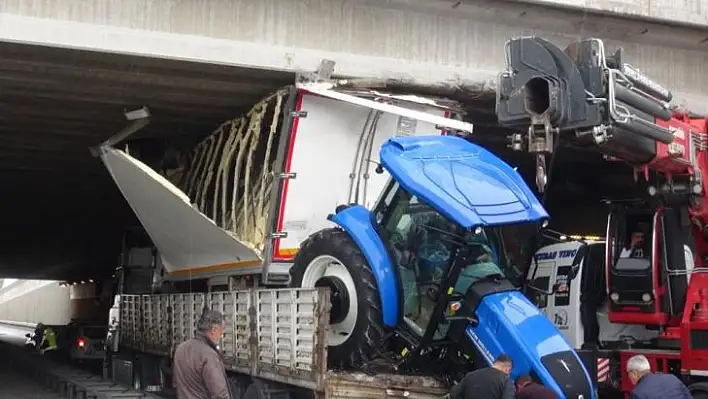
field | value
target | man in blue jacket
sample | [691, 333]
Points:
[650, 385]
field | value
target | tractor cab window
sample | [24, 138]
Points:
[422, 256]
[423, 244]
[516, 246]
[483, 261]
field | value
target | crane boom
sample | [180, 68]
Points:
[598, 101]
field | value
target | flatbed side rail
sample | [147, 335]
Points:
[274, 334]
[67, 381]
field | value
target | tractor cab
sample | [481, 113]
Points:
[438, 262]
[648, 264]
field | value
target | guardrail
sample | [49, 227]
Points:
[67, 381]
[20, 324]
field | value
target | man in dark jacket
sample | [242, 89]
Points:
[526, 388]
[653, 385]
[487, 383]
[198, 368]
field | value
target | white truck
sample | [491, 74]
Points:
[558, 281]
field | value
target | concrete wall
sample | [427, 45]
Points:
[34, 301]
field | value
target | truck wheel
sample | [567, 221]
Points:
[329, 258]
[699, 390]
[699, 395]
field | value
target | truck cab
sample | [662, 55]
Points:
[565, 277]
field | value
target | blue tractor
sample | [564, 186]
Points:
[429, 279]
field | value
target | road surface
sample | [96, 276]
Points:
[13, 384]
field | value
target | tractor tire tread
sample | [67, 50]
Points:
[369, 332]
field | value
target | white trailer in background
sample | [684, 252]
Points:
[263, 182]
[233, 221]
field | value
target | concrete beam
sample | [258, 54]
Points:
[439, 43]
[687, 12]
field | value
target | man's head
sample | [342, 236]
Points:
[212, 325]
[637, 367]
[503, 363]
[523, 381]
[639, 233]
[637, 239]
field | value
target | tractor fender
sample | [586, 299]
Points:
[356, 221]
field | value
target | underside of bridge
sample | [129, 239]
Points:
[63, 217]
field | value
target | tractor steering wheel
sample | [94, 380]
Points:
[433, 290]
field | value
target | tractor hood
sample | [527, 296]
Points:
[461, 180]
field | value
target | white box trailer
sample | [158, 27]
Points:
[262, 183]
[253, 191]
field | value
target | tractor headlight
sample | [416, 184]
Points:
[614, 296]
[646, 298]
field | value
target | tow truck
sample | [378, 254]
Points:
[595, 100]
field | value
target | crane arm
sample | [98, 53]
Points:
[596, 100]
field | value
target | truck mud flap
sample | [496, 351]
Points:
[188, 241]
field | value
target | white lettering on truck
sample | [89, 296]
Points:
[567, 253]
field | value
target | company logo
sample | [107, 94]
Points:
[478, 343]
[565, 365]
[567, 253]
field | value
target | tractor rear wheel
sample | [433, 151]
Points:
[329, 258]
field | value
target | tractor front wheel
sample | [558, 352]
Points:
[329, 258]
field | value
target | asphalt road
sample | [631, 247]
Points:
[12, 383]
[15, 385]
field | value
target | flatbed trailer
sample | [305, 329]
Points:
[275, 340]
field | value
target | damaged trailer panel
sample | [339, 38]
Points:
[261, 183]
[274, 334]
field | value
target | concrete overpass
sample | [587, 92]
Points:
[70, 68]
